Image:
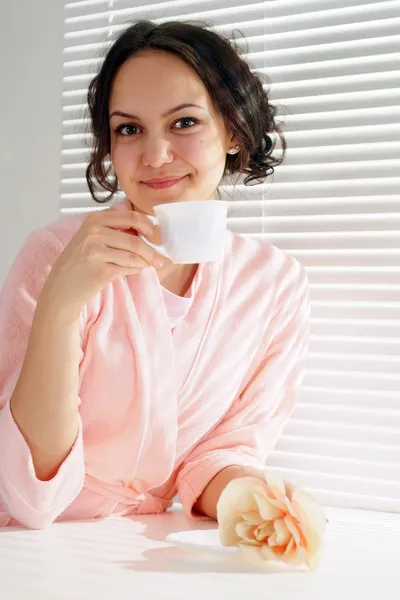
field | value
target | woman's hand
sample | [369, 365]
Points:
[102, 250]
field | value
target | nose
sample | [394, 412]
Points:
[156, 152]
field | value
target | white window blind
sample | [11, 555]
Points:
[334, 204]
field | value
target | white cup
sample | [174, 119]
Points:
[191, 231]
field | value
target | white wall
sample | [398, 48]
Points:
[31, 42]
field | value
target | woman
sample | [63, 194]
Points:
[123, 382]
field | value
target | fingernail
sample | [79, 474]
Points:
[158, 262]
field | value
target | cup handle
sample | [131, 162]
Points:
[160, 248]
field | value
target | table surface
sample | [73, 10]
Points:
[113, 557]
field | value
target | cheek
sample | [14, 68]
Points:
[191, 149]
[199, 151]
[123, 158]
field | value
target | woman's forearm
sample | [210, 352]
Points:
[44, 403]
[207, 502]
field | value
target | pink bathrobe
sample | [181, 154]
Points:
[165, 403]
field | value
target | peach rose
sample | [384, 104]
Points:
[270, 519]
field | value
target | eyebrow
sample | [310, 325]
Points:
[165, 114]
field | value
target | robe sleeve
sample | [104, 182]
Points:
[32, 502]
[250, 429]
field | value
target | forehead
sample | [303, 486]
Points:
[155, 77]
[151, 82]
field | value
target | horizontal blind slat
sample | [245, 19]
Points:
[372, 469]
[340, 413]
[364, 345]
[336, 483]
[365, 451]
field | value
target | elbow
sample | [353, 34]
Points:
[39, 511]
[36, 517]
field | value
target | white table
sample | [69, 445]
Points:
[127, 557]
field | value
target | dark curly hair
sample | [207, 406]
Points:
[236, 92]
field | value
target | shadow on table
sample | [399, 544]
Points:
[176, 560]
[172, 559]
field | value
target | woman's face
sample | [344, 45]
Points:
[190, 142]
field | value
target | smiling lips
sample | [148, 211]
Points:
[163, 179]
[161, 185]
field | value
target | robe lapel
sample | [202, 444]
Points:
[164, 361]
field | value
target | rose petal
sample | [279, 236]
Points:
[276, 503]
[293, 555]
[258, 553]
[238, 495]
[290, 547]
[279, 551]
[246, 532]
[268, 553]
[294, 530]
[295, 558]
[264, 530]
[312, 562]
[267, 507]
[276, 485]
[235, 499]
[272, 541]
[313, 520]
[253, 517]
[309, 506]
[290, 488]
[283, 534]
[227, 533]
[290, 509]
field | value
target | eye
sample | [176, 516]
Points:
[195, 121]
[119, 129]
